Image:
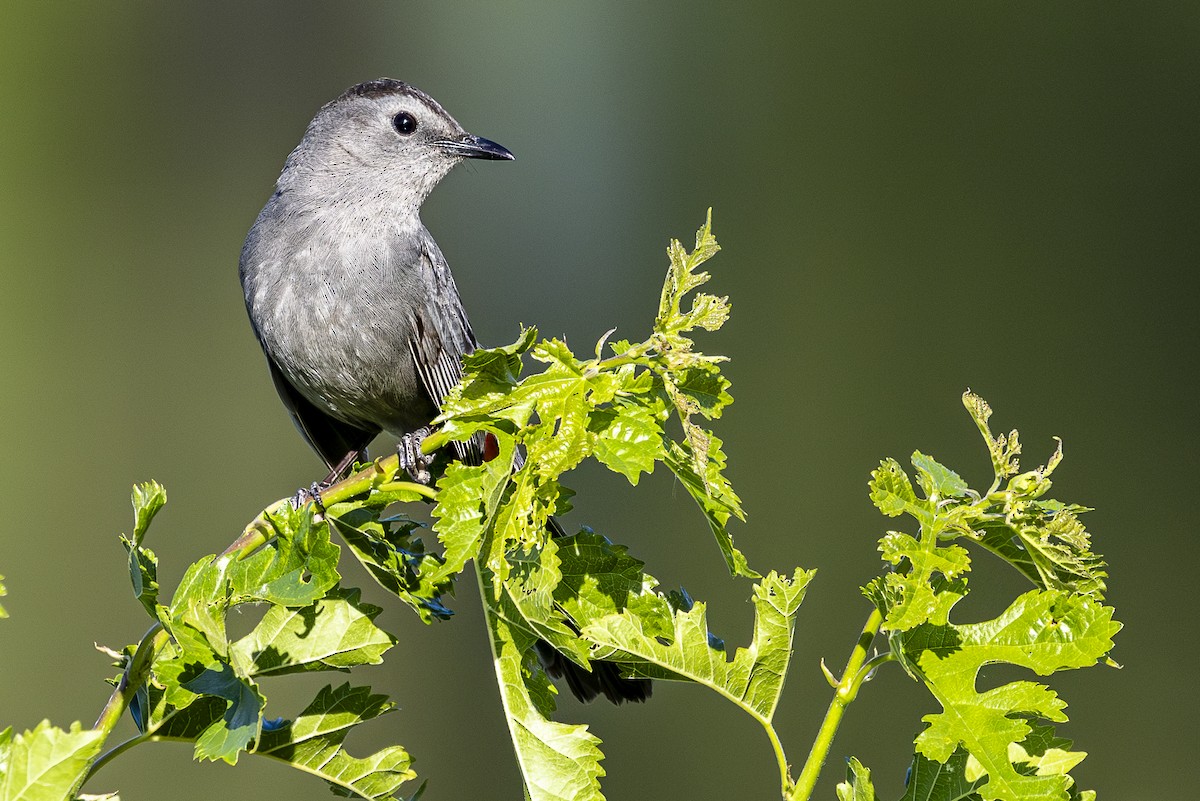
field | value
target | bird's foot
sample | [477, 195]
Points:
[412, 460]
[312, 494]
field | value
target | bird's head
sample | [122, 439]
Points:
[384, 140]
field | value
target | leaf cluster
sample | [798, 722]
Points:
[996, 743]
[630, 406]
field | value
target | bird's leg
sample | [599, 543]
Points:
[312, 493]
[412, 460]
[314, 490]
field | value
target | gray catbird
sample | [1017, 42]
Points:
[353, 303]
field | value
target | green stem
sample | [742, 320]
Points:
[132, 679]
[381, 472]
[785, 778]
[845, 693]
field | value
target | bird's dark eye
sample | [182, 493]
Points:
[404, 122]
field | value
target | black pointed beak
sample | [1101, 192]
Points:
[475, 147]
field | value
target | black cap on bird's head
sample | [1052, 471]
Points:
[407, 123]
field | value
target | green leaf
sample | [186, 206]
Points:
[628, 440]
[858, 786]
[143, 574]
[1044, 631]
[1005, 451]
[313, 743]
[914, 596]
[459, 516]
[1047, 543]
[705, 387]
[147, 499]
[226, 738]
[395, 558]
[714, 495]
[598, 578]
[559, 761]
[3, 592]
[47, 763]
[961, 776]
[707, 311]
[753, 679]
[298, 567]
[938, 481]
[929, 780]
[336, 633]
[893, 494]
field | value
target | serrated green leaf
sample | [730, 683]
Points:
[913, 597]
[929, 780]
[143, 574]
[706, 387]
[628, 440]
[1051, 548]
[598, 578]
[893, 494]
[559, 761]
[555, 351]
[1043, 631]
[563, 440]
[937, 480]
[532, 581]
[753, 679]
[715, 497]
[46, 763]
[226, 738]
[395, 558]
[295, 569]
[196, 615]
[459, 518]
[1005, 451]
[336, 633]
[147, 499]
[313, 741]
[858, 786]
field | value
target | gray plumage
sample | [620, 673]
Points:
[352, 300]
[347, 291]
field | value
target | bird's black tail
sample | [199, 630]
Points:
[604, 679]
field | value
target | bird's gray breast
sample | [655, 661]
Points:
[336, 304]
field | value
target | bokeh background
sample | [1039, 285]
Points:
[912, 198]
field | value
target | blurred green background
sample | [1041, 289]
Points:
[912, 198]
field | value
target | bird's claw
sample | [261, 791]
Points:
[412, 460]
[311, 494]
